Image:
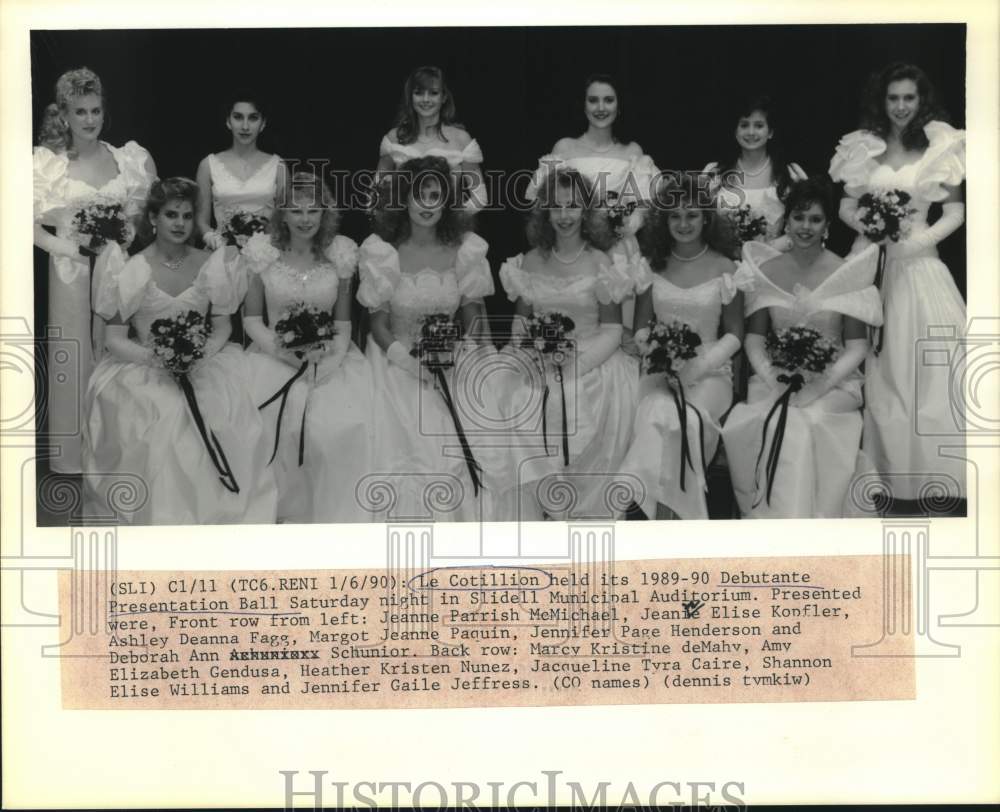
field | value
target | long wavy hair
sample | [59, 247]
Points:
[688, 190]
[816, 189]
[407, 120]
[765, 104]
[595, 228]
[391, 213]
[160, 194]
[876, 120]
[312, 187]
[54, 131]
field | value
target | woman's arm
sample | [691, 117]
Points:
[755, 346]
[855, 349]
[394, 350]
[124, 348]
[222, 328]
[57, 246]
[203, 216]
[473, 314]
[644, 314]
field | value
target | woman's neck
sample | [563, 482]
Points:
[428, 128]
[806, 257]
[87, 149]
[244, 151]
[688, 250]
[569, 246]
[170, 251]
[751, 159]
[422, 236]
[300, 248]
[601, 138]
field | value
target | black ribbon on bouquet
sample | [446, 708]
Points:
[91, 255]
[680, 401]
[878, 333]
[213, 446]
[283, 394]
[470, 461]
[794, 382]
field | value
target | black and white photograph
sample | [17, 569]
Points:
[644, 273]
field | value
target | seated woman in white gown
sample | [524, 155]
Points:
[419, 263]
[693, 285]
[237, 187]
[426, 126]
[623, 176]
[198, 449]
[909, 411]
[793, 447]
[316, 404]
[589, 407]
[750, 185]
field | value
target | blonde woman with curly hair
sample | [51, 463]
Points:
[78, 178]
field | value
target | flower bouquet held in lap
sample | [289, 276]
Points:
[178, 343]
[668, 348]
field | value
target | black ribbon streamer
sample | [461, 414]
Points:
[283, 394]
[214, 448]
[878, 333]
[474, 468]
[680, 401]
[781, 405]
[565, 431]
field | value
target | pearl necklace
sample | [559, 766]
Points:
[755, 172]
[569, 261]
[699, 255]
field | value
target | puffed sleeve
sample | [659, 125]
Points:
[546, 164]
[728, 287]
[644, 177]
[378, 264]
[854, 160]
[942, 163]
[343, 253]
[472, 268]
[515, 280]
[259, 254]
[617, 279]
[472, 154]
[137, 178]
[119, 286]
[385, 146]
[224, 280]
[50, 181]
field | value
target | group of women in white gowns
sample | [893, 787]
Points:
[264, 434]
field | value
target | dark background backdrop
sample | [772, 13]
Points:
[334, 92]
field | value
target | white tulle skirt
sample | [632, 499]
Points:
[655, 453]
[913, 402]
[337, 446]
[138, 424]
[818, 456]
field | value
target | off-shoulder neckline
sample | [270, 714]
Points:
[848, 262]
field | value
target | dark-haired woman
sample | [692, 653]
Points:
[240, 182]
[320, 434]
[568, 271]
[905, 145]
[622, 176]
[751, 183]
[426, 126]
[422, 261]
[800, 465]
[73, 171]
[139, 422]
[692, 285]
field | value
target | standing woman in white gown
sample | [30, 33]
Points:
[621, 173]
[320, 432]
[793, 446]
[241, 181]
[755, 177]
[426, 126]
[905, 145]
[424, 261]
[72, 169]
[693, 284]
[200, 449]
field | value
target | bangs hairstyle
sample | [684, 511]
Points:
[391, 213]
[595, 229]
[54, 131]
[689, 190]
[876, 120]
[816, 189]
[161, 193]
[406, 117]
[311, 190]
